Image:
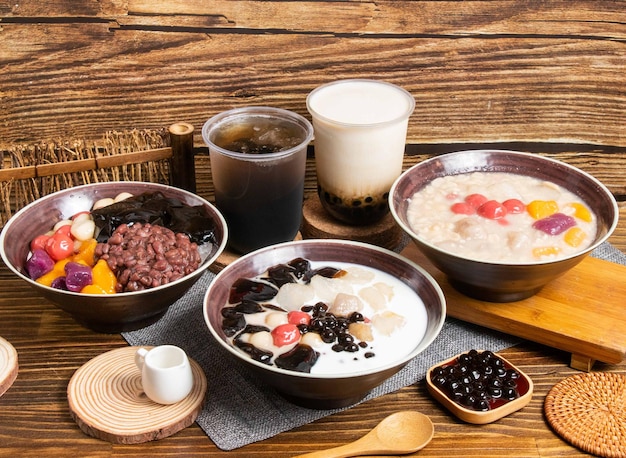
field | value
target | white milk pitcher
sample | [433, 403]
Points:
[166, 374]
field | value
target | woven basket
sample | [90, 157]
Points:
[28, 172]
[589, 411]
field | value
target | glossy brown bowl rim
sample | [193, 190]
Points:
[419, 347]
[394, 202]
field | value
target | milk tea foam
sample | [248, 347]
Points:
[360, 133]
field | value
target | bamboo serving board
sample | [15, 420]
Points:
[582, 312]
[107, 401]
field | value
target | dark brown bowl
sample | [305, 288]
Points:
[325, 391]
[110, 313]
[492, 281]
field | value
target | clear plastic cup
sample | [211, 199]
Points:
[360, 135]
[258, 163]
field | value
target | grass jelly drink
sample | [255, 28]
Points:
[258, 161]
[360, 135]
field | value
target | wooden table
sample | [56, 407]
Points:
[35, 419]
[545, 77]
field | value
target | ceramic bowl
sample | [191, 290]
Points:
[500, 281]
[329, 390]
[499, 406]
[110, 313]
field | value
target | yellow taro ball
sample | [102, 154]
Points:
[574, 236]
[581, 212]
[540, 209]
[542, 251]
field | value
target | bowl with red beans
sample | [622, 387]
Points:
[114, 255]
[502, 224]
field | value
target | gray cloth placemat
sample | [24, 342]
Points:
[240, 409]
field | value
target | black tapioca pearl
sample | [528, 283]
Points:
[319, 309]
[346, 339]
[316, 325]
[512, 374]
[481, 405]
[328, 335]
[343, 324]
[469, 400]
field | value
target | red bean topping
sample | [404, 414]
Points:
[145, 256]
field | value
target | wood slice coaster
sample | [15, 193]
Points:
[227, 257]
[8, 365]
[318, 224]
[589, 411]
[107, 401]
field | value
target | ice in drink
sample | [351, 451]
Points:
[258, 162]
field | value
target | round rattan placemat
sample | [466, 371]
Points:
[589, 411]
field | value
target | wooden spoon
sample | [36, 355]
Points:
[400, 433]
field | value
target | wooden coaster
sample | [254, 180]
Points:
[107, 401]
[589, 411]
[318, 224]
[227, 257]
[8, 365]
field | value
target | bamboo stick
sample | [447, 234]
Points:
[183, 167]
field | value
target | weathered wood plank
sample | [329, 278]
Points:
[511, 89]
[488, 17]
[481, 71]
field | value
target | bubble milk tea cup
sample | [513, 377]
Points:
[360, 134]
[166, 375]
[258, 163]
